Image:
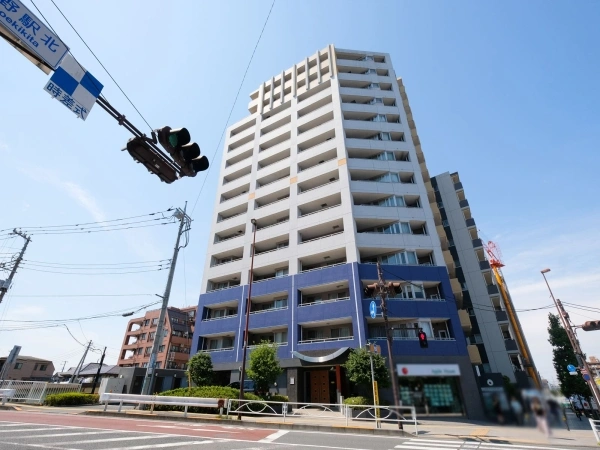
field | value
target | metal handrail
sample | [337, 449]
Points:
[312, 341]
[319, 210]
[268, 310]
[324, 301]
[276, 201]
[322, 237]
[270, 164]
[317, 187]
[318, 164]
[219, 318]
[323, 267]
[272, 225]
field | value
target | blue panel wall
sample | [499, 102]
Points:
[356, 308]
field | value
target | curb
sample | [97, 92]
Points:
[253, 424]
[9, 408]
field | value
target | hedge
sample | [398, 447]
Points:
[353, 401]
[221, 392]
[71, 398]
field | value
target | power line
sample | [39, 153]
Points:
[83, 295]
[91, 273]
[49, 266]
[78, 228]
[232, 107]
[88, 223]
[100, 62]
[31, 261]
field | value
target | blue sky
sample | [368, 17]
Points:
[505, 93]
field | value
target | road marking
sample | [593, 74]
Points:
[480, 431]
[10, 424]
[491, 446]
[417, 446]
[35, 436]
[195, 429]
[272, 437]
[20, 444]
[170, 444]
[129, 438]
[33, 429]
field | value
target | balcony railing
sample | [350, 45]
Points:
[224, 349]
[317, 165]
[270, 250]
[276, 201]
[323, 267]
[312, 341]
[226, 262]
[317, 187]
[268, 310]
[321, 237]
[320, 302]
[209, 319]
[272, 225]
[319, 210]
[220, 219]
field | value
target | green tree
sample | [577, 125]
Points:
[358, 368]
[200, 369]
[563, 355]
[263, 366]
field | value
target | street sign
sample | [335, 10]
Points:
[74, 87]
[373, 309]
[571, 368]
[31, 32]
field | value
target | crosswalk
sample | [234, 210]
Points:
[458, 444]
[15, 435]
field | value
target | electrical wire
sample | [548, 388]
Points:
[74, 267]
[88, 223]
[83, 295]
[103, 273]
[100, 62]
[32, 261]
[232, 107]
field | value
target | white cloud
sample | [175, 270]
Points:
[73, 190]
[3, 147]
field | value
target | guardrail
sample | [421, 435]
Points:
[306, 412]
[153, 400]
[35, 392]
[595, 424]
[6, 394]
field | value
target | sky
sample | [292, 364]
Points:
[504, 92]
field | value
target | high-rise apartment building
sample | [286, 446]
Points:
[173, 353]
[500, 345]
[328, 167]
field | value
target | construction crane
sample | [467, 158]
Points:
[495, 260]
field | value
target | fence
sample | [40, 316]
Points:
[325, 412]
[35, 392]
[595, 424]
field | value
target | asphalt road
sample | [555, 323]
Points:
[26, 430]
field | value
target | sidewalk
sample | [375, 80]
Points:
[440, 428]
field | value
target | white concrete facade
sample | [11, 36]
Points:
[309, 163]
[493, 328]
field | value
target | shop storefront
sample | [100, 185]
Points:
[431, 388]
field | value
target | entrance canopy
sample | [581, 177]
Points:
[321, 358]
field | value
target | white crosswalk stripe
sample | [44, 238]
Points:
[452, 444]
[19, 435]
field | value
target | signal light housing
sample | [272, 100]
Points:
[422, 338]
[186, 154]
[154, 161]
[591, 325]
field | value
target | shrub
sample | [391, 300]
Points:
[71, 398]
[264, 366]
[352, 401]
[223, 392]
[200, 369]
[276, 398]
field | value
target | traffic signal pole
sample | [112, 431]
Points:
[383, 293]
[184, 221]
[6, 286]
[566, 322]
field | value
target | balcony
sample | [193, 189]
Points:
[272, 244]
[274, 125]
[307, 125]
[217, 344]
[477, 243]
[319, 101]
[238, 174]
[484, 265]
[269, 303]
[470, 222]
[235, 193]
[316, 140]
[465, 321]
[228, 235]
[278, 140]
[272, 197]
[492, 289]
[336, 330]
[232, 212]
[272, 220]
[318, 205]
[501, 316]
[221, 311]
[378, 155]
[224, 282]
[474, 354]
[276, 335]
[458, 186]
[464, 203]
[322, 260]
[275, 176]
[511, 345]
[317, 160]
[271, 158]
[237, 159]
[326, 293]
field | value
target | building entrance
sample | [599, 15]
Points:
[319, 386]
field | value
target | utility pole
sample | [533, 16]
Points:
[64, 364]
[566, 322]
[184, 226]
[383, 293]
[97, 377]
[80, 364]
[4, 286]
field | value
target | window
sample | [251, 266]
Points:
[281, 273]
[384, 156]
[371, 72]
[379, 118]
[155, 321]
[368, 58]
[314, 334]
[161, 349]
[148, 350]
[151, 336]
[139, 351]
[43, 367]
[386, 178]
[376, 101]
[145, 364]
[340, 332]
[373, 86]
[478, 339]
[142, 336]
[157, 364]
[18, 366]
[280, 337]
[283, 244]
[36, 367]
[445, 223]
[146, 322]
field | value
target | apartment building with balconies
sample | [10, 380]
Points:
[174, 351]
[491, 331]
[327, 166]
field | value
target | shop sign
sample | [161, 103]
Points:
[428, 370]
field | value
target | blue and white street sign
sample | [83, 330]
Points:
[74, 87]
[31, 32]
[571, 368]
[373, 309]
[586, 377]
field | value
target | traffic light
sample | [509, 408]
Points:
[371, 290]
[422, 338]
[591, 325]
[186, 154]
[154, 161]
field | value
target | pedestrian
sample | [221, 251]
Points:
[497, 408]
[554, 408]
[517, 409]
[541, 419]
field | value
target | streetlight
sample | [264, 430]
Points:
[581, 362]
[248, 300]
